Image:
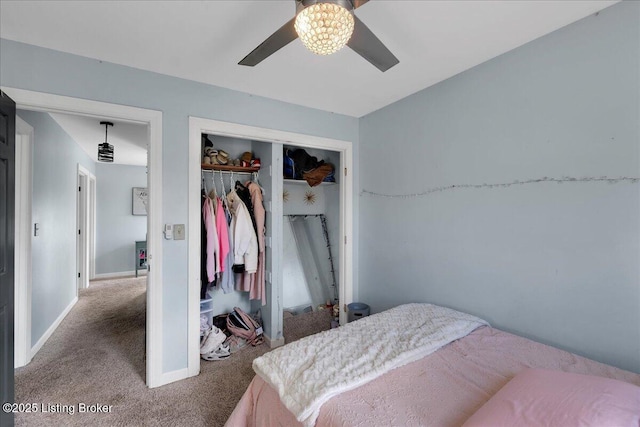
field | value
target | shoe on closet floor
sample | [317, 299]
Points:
[220, 353]
[236, 344]
[213, 338]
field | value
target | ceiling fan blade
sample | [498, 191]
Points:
[357, 3]
[367, 45]
[285, 35]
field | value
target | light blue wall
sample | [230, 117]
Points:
[116, 228]
[55, 188]
[28, 67]
[555, 262]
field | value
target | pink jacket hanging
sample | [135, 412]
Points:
[223, 236]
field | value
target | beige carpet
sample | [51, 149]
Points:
[296, 327]
[97, 355]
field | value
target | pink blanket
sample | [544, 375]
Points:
[442, 389]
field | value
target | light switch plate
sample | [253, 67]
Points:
[178, 231]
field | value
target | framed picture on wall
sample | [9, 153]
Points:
[140, 197]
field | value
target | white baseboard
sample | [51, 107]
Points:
[273, 343]
[119, 274]
[43, 339]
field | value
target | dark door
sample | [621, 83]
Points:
[7, 214]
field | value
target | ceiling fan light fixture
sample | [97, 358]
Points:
[105, 150]
[324, 28]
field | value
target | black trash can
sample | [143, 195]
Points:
[357, 310]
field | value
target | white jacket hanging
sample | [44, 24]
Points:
[245, 242]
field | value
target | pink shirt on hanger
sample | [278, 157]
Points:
[223, 235]
[212, 238]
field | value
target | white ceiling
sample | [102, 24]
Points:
[204, 40]
[129, 140]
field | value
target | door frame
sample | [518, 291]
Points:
[45, 102]
[92, 227]
[197, 126]
[84, 214]
[23, 233]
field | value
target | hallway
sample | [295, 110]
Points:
[96, 356]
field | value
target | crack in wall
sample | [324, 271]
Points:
[545, 179]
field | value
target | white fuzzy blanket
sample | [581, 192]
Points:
[308, 372]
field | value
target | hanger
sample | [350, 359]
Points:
[224, 194]
[232, 187]
[213, 187]
[255, 178]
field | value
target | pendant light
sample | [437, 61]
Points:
[105, 150]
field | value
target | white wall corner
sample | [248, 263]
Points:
[43, 339]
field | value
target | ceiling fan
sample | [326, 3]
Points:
[324, 26]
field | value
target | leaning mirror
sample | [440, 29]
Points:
[309, 278]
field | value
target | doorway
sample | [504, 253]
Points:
[22, 335]
[273, 311]
[85, 210]
[37, 101]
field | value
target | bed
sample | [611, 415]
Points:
[478, 375]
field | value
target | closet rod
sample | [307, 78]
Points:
[227, 172]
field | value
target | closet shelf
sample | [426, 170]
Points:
[227, 168]
[302, 181]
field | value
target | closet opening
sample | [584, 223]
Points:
[282, 199]
[233, 250]
[311, 233]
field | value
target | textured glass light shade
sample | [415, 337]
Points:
[105, 152]
[324, 28]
